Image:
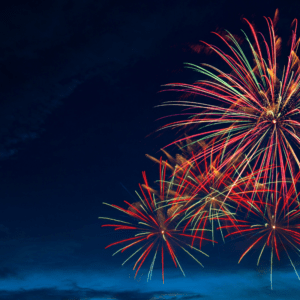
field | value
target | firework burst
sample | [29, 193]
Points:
[272, 224]
[255, 111]
[203, 190]
[154, 231]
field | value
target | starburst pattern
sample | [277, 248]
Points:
[255, 110]
[272, 223]
[154, 231]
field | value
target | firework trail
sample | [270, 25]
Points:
[255, 111]
[152, 230]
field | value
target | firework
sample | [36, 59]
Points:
[203, 190]
[272, 224]
[153, 231]
[255, 111]
[239, 172]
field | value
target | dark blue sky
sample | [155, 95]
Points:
[79, 82]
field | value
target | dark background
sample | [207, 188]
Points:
[79, 82]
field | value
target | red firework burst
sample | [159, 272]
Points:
[153, 229]
[255, 111]
[272, 223]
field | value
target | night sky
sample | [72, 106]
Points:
[79, 84]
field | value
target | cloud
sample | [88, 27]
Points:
[177, 296]
[231, 291]
[4, 229]
[6, 272]
[105, 283]
[88, 294]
